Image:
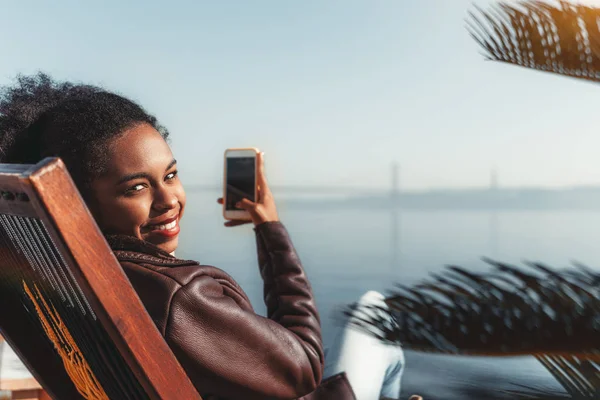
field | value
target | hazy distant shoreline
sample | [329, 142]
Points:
[579, 198]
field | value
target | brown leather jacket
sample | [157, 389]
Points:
[228, 351]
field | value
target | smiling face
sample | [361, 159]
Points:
[140, 194]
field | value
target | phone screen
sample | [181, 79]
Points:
[240, 180]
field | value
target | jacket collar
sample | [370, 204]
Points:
[132, 244]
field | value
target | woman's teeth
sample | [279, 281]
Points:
[166, 227]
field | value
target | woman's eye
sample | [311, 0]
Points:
[135, 188]
[172, 175]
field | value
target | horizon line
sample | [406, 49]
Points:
[362, 189]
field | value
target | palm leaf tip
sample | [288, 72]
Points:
[562, 38]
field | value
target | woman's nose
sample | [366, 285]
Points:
[164, 199]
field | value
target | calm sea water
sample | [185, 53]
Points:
[347, 252]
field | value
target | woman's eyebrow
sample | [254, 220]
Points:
[143, 175]
[130, 177]
[171, 165]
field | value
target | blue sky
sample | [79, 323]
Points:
[333, 91]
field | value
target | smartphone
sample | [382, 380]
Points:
[239, 181]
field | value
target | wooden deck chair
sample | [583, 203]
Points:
[66, 306]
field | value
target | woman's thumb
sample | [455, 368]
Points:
[245, 204]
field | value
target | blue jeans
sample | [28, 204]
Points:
[374, 369]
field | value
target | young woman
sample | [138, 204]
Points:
[121, 163]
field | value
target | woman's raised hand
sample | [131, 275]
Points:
[264, 209]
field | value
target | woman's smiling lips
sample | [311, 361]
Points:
[167, 228]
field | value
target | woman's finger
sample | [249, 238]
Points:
[220, 200]
[415, 397]
[245, 204]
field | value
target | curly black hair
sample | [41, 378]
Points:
[40, 117]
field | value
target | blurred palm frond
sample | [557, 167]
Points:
[580, 377]
[562, 38]
[548, 313]
[507, 311]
